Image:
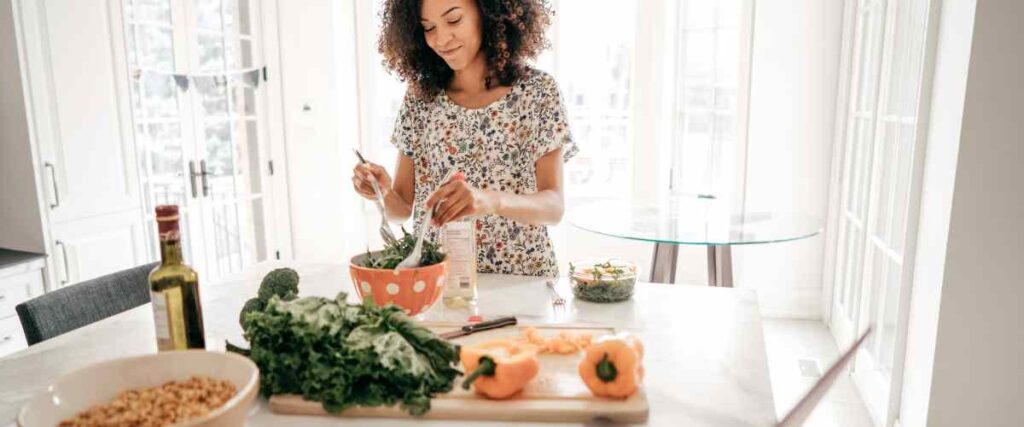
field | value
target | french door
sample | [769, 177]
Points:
[882, 154]
[200, 112]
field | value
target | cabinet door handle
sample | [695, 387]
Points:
[67, 271]
[192, 178]
[6, 338]
[203, 174]
[3, 297]
[53, 181]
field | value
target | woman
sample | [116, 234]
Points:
[473, 105]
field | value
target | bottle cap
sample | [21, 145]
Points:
[167, 222]
[166, 213]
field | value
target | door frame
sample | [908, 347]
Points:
[886, 409]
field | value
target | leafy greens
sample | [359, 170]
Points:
[393, 254]
[345, 355]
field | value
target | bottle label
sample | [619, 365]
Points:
[169, 319]
[460, 240]
[163, 331]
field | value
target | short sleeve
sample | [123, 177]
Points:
[550, 120]
[406, 134]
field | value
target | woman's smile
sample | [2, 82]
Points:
[450, 52]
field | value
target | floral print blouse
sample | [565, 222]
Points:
[496, 147]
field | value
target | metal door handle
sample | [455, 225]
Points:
[6, 338]
[53, 181]
[67, 271]
[203, 175]
[3, 297]
[192, 178]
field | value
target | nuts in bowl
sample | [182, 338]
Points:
[181, 388]
[603, 281]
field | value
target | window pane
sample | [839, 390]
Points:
[160, 96]
[236, 17]
[165, 149]
[246, 137]
[239, 54]
[150, 10]
[220, 156]
[699, 14]
[211, 53]
[243, 98]
[595, 71]
[708, 69]
[208, 14]
[214, 99]
[155, 48]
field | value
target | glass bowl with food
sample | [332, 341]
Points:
[609, 280]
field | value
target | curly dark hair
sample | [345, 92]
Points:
[512, 33]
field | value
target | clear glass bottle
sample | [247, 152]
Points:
[460, 244]
[174, 290]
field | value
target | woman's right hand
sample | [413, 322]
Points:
[364, 174]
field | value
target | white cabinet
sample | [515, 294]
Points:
[18, 283]
[92, 247]
[75, 78]
[89, 163]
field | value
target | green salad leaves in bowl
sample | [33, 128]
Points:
[603, 281]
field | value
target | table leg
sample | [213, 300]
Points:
[720, 266]
[663, 263]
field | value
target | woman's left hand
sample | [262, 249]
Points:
[458, 199]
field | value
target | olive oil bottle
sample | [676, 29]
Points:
[174, 290]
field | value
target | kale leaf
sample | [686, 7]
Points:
[345, 355]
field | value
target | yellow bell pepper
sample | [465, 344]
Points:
[613, 366]
[498, 369]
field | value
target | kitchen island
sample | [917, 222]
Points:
[705, 354]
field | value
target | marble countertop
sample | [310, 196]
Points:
[705, 353]
[9, 257]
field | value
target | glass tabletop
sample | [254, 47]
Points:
[691, 221]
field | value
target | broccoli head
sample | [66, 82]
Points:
[253, 304]
[283, 282]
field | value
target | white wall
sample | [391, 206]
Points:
[317, 39]
[977, 377]
[796, 55]
[20, 224]
[949, 87]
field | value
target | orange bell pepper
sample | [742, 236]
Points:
[613, 366]
[498, 369]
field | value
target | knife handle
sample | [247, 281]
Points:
[490, 324]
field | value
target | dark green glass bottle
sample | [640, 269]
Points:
[174, 290]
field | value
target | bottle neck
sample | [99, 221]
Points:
[170, 252]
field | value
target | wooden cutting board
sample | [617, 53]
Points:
[557, 394]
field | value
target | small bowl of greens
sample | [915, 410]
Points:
[415, 290]
[603, 281]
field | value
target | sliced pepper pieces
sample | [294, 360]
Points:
[612, 366]
[500, 368]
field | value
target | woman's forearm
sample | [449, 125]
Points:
[544, 207]
[397, 209]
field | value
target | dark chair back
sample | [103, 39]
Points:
[74, 306]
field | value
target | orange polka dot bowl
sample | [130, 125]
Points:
[415, 290]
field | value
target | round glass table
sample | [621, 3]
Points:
[691, 221]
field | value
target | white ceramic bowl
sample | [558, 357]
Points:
[77, 391]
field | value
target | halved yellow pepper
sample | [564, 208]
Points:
[613, 366]
[499, 369]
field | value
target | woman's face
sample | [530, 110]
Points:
[452, 29]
